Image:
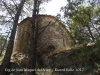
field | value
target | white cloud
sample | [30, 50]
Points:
[53, 7]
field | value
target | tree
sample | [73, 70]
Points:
[80, 19]
[12, 7]
[6, 60]
[32, 53]
[33, 37]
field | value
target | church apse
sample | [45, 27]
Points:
[52, 35]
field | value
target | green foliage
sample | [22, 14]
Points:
[98, 43]
[2, 40]
[91, 54]
[1, 57]
[81, 19]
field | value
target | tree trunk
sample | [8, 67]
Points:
[89, 27]
[33, 41]
[6, 60]
[90, 32]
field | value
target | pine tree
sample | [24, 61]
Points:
[6, 60]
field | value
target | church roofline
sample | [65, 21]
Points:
[45, 15]
[50, 16]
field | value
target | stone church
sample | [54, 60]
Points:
[53, 35]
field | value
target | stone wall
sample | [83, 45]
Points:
[54, 34]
